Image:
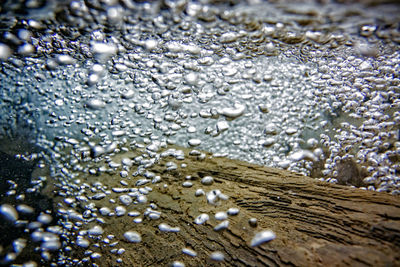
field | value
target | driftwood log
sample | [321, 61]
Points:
[316, 223]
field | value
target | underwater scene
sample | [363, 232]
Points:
[199, 133]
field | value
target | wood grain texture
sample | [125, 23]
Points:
[316, 223]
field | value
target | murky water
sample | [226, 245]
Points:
[312, 88]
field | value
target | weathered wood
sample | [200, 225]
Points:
[316, 223]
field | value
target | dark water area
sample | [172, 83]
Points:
[16, 176]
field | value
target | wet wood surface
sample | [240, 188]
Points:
[316, 223]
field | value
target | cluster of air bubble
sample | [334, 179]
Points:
[279, 86]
